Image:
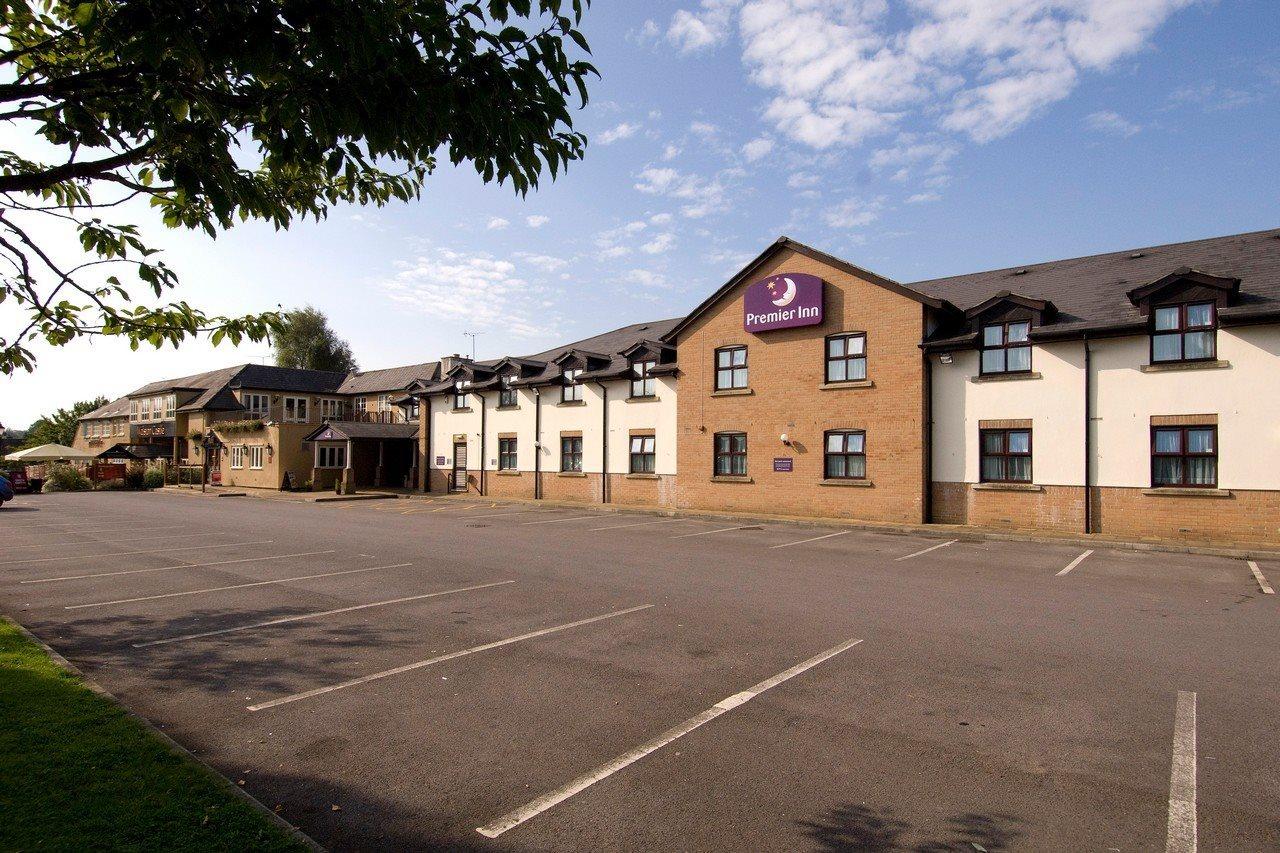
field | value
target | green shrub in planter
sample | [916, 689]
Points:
[133, 478]
[153, 479]
[64, 478]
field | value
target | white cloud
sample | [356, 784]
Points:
[474, 289]
[537, 220]
[645, 278]
[853, 213]
[923, 198]
[757, 148]
[497, 223]
[661, 218]
[1108, 121]
[623, 130]
[660, 244]
[671, 152]
[702, 195]
[800, 180]
[842, 70]
[548, 263]
[704, 129]
[648, 33]
[612, 252]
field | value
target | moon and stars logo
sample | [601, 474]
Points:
[788, 292]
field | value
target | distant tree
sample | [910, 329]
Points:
[223, 110]
[60, 427]
[304, 339]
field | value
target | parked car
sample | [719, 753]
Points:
[6, 490]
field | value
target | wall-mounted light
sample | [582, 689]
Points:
[945, 358]
[271, 453]
[786, 439]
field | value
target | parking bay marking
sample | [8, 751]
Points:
[317, 615]
[181, 566]
[555, 520]
[233, 586]
[717, 530]
[1077, 561]
[1181, 836]
[132, 553]
[1262, 582]
[553, 798]
[927, 550]
[117, 541]
[110, 530]
[386, 673]
[814, 539]
[637, 524]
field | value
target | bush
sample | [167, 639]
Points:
[133, 478]
[64, 478]
[153, 479]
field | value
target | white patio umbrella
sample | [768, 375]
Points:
[50, 453]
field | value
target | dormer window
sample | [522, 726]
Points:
[572, 390]
[1006, 347]
[642, 382]
[460, 394]
[1185, 332]
[506, 394]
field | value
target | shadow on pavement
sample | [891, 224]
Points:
[850, 828]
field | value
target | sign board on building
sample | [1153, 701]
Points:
[783, 301]
[440, 460]
[164, 430]
[782, 463]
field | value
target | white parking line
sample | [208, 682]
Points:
[553, 798]
[233, 586]
[814, 539]
[557, 520]
[1262, 582]
[185, 536]
[1181, 837]
[386, 673]
[131, 553]
[709, 532]
[927, 550]
[317, 615]
[111, 530]
[1077, 561]
[494, 514]
[638, 524]
[182, 566]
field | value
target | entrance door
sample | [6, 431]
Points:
[459, 482]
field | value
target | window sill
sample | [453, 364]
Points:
[865, 484]
[1007, 487]
[507, 472]
[1186, 492]
[1172, 366]
[1005, 377]
[651, 399]
[507, 408]
[462, 409]
[839, 386]
[728, 479]
[570, 474]
[569, 403]
[642, 476]
[733, 392]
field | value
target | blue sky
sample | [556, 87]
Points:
[918, 139]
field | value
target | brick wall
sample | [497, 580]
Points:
[626, 490]
[557, 488]
[1243, 516]
[505, 484]
[786, 369]
[1059, 509]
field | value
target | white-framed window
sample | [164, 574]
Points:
[331, 410]
[362, 404]
[384, 402]
[237, 456]
[295, 410]
[144, 409]
[255, 456]
[157, 407]
[460, 394]
[133, 410]
[119, 427]
[170, 406]
[257, 405]
[572, 391]
[331, 456]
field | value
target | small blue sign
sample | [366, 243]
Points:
[782, 463]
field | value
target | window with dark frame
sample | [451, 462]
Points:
[643, 454]
[571, 454]
[847, 357]
[506, 454]
[1006, 456]
[1184, 456]
[1185, 332]
[507, 394]
[642, 383]
[845, 455]
[1006, 347]
[731, 368]
[731, 454]
[459, 394]
[572, 390]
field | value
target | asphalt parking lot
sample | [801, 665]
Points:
[455, 674]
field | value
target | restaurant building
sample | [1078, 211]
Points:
[1134, 393]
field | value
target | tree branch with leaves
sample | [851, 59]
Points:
[224, 111]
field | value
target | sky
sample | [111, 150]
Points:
[915, 138]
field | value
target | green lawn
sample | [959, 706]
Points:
[77, 773]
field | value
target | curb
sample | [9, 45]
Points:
[294, 832]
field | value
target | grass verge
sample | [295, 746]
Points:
[78, 773]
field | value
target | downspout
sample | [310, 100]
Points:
[604, 443]
[927, 468]
[537, 444]
[424, 470]
[483, 469]
[1088, 444]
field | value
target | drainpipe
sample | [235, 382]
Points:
[927, 462]
[604, 443]
[425, 468]
[1088, 445]
[537, 444]
[483, 463]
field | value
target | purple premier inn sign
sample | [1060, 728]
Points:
[783, 301]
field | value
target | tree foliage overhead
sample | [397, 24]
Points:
[222, 111]
[305, 340]
[60, 427]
